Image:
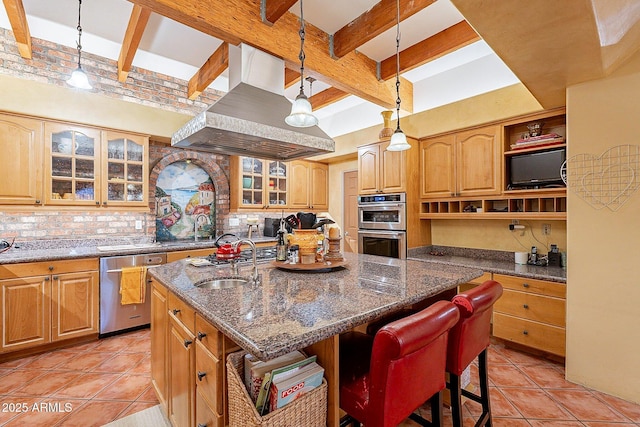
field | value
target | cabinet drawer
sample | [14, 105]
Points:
[533, 334]
[209, 378]
[532, 307]
[209, 336]
[30, 269]
[182, 312]
[535, 286]
[205, 416]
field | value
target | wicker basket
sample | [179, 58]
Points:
[309, 410]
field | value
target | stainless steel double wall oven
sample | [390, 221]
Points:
[382, 225]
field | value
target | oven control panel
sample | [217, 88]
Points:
[382, 198]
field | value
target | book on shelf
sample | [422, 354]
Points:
[285, 389]
[255, 370]
[528, 143]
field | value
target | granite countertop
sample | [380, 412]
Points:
[290, 310]
[52, 250]
[488, 261]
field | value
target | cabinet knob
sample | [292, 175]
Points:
[55, 277]
[526, 285]
[526, 306]
[37, 201]
[201, 335]
[51, 268]
[187, 343]
[175, 311]
[202, 425]
[97, 203]
[201, 375]
[525, 332]
[104, 203]
[46, 279]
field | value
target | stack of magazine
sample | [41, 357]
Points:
[274, 383]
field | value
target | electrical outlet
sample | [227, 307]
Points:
[138, 225]
[546, 229]
[234, 222]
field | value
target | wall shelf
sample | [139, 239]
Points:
[548, 205]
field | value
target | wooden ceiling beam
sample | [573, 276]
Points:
[272, 10]
[436, 46]
[237, 21]
[133, 35]
[212, 68]
[291, 77]
[326, 97]
[372, 23]
[19, 26]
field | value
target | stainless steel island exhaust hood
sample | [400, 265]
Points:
[249, 119]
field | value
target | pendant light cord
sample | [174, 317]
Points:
[398, 62]
[301, 56]
[79, 28]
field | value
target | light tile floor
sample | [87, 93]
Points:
[96, 383]
[530, 391]
[87, 385]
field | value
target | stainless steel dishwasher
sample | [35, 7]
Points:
[115, 317]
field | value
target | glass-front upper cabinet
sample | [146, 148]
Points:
[277, 182]
[125, 174]
[252, 182]
[73, 165]
[263, 183]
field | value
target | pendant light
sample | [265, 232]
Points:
[398, 139]
[301, 115]
[78, 78]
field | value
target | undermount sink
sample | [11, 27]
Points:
[222, 283]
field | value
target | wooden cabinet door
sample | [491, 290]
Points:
[26, 312]
[125, 168]
[478, 162]
[319, 186]
[21, 160]
[437, 166]
[309, 185]
[392, 170]
[181, 374]
[210, 378]
[159, 328]
[299, 196]
[72, 165]
[74, 305]
[368, 169]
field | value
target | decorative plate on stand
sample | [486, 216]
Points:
[317, 266]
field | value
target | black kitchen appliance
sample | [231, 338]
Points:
[272, 225]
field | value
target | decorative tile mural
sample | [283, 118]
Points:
[185, 196]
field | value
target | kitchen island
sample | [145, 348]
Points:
[291, 310]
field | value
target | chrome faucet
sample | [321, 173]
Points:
[196, 221]
[236, 244]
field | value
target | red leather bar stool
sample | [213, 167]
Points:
[469, 339]
[384, 378]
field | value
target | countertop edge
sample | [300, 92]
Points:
[499, 267]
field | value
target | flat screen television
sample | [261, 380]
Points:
[536, 170]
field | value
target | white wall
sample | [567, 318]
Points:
[603, 300]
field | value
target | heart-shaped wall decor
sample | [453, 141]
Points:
[608, 180]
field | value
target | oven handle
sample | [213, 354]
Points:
[382, 205]
[372, 233]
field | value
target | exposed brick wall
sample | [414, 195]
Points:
[30, 225]
[53, 64]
